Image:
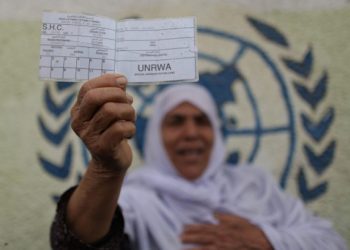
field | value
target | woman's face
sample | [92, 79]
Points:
[188, 138]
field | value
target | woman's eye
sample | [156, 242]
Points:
[203, 121]
[174, 121]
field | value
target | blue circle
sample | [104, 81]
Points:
[258, 131]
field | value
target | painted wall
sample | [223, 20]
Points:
[279, 71]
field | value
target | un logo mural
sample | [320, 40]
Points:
[260, 109]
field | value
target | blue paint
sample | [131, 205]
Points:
[315, 96]
[211, 58]
[309, 194]
[55, 109]
[55, 138]
[320, 162]
[234, 158]
[269, 32]
[60, 171]
[302, 68]
[64, 85]
[318, 130]
[239, 54]
[263, 131]
[220, 84]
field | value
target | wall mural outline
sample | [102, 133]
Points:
[225, 80]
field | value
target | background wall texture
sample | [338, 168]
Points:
[284, 66]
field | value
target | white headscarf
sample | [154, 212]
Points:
[155, 154]
[157, 202]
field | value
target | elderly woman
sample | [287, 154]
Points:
[184, 197]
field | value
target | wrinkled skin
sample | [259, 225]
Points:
[104, 119]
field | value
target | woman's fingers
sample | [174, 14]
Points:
[103, 118]
[94, 99]
[110, 113]
[107, 80]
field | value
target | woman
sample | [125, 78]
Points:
[184, 197]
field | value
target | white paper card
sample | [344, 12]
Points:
[77, 47]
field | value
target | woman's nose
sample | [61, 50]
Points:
[191, 128]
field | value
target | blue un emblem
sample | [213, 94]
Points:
[258, 104]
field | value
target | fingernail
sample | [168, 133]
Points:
[121, 80]
[130, 98]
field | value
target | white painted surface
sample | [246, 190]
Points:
[31, 10]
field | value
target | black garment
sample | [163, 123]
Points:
[62, 238]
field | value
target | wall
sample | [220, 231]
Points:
[293, 77]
